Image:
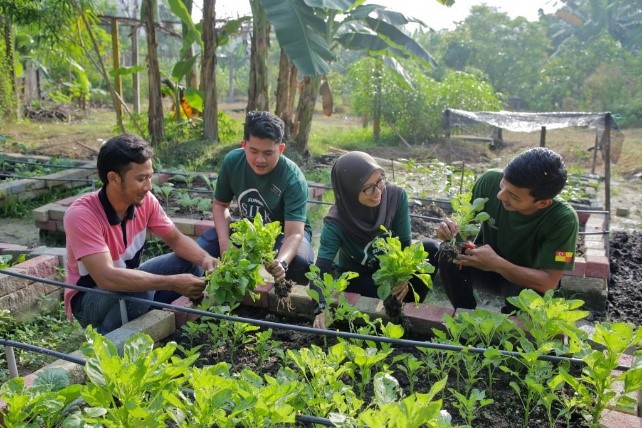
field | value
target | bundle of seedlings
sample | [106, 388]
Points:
[469, 216]
[239, 269]
[397, 266]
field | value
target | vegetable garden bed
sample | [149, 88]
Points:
[240, 374]
[23, 178]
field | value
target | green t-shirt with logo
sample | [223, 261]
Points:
[280, 195]
[545, 239]
[352, 256]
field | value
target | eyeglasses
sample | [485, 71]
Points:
[380, 184]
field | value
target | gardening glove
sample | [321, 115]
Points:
[400, 291]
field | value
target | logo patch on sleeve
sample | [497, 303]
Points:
[563, 256]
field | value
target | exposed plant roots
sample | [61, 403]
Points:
[452, 276]
[282, 290]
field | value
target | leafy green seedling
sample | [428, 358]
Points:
[468, 215]
[238, 271]
[398, 265]
[331, 290]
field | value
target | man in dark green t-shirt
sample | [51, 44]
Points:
[267, 183]
[529, 242]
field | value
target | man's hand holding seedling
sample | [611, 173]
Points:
[447, 229]
[276, 269]
[484, 257]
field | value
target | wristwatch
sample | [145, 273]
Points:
[284, 265]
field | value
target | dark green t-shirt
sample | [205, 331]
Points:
[359, 257]
[280, 195]
[545, 239]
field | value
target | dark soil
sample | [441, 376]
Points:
[506, 411]
[625, 296]
[392, 306]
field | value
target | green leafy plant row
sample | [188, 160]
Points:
[151, 387]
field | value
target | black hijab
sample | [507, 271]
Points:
[359, 222]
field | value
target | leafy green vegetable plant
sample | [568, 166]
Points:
[412, 367]
[321, 373]
[165, 190]
[130, 390]
[596, 385]
[364, 359]
[468, 215]
[469, 405]
[239, 269]
[41, 405]
[337, 307]
[264, 344]
[416, 410]
[6, 260]
[548, 319]
[398, 265]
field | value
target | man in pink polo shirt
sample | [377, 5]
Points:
[105, 234]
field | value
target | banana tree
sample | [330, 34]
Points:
[308, 31]
[586, 19]
[209, 39]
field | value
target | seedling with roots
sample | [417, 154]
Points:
[239, 269]
[398, 265]
[468, 215]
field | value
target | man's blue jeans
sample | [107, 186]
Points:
[103, 312]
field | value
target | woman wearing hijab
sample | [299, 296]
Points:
[363, 202]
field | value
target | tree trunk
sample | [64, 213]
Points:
[258, 91]
[101, 65]
[305, 110]
[135, 76]
[155, 124]
[285, 91]
[9, 61]
[115, 46]
[231, 74]
[208, 72]
[376, 119]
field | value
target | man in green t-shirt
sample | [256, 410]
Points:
[263, 181]
[529, 242]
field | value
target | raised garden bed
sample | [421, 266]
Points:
[326, 375]
[23, 178]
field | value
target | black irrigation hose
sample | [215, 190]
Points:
[46, 351]
[316, 420]
[309, 330]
